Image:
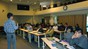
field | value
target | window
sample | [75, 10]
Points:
[87, 23]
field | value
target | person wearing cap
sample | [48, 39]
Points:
[9, 28]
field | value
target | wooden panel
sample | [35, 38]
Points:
[73, 20]
[84, 24]
[66, 19]
[79, 20]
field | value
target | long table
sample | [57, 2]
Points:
[23, 30]
[49, 43]
[34, 33]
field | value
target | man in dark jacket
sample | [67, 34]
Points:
[79, 39]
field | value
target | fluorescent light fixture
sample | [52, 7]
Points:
[44, 3]
[19, 0]
[34, 2]
[28, 1]
[11, 0]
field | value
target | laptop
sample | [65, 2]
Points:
[60, 46]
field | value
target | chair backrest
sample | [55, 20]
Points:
[38, 29]
[47, 31]
[50, 32]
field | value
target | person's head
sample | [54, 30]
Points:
[30, 24]
[61, 23]
[77, 25]
[10, 16]
[69, 29]
[78, 32]
[66, 24]
[27, 24]
[40, 26]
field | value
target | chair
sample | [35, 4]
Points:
[2, 31]
[49, 32]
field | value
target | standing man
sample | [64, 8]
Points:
[9, 28]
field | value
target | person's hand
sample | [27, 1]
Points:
[74, 36]
[65, 43]
[56, 39]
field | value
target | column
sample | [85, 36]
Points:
[53, 19]
[51, 4]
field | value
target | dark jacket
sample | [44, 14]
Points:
[81, 42]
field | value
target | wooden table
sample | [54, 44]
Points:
[49, 43]
[34, 33]
[38, 35]
[24, 32]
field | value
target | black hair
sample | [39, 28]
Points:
[79, 30]
[70, 27]
[66, 23]
[9, 15]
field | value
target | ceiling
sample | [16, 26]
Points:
[29, 1]
[37, 3]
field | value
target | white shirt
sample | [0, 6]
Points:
[55, 28]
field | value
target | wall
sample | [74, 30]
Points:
[24, 16]
[73, 20]
[66, 19]
[28, 19]
[21, 16]
[23, 19]
[3, 13]
[13, 9]
[37, 19]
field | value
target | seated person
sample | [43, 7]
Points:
[56, 31]
[68, 34]
[79, 41]
[49, 32]
[77, 26]
[29, 27]
[40, 29]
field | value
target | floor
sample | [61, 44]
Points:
[21, 43]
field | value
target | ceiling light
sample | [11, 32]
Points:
[11, 0]
[45, 3]
[27, 1]
[19, 0]
[44, 6]
[34, 2]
